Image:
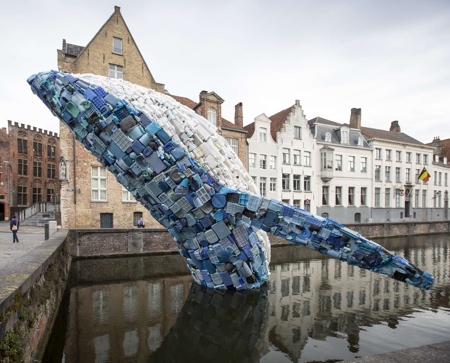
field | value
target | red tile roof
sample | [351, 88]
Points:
[278, 120]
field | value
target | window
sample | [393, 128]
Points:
[326, 160]
[263, 161]
[273, 184]
[37, 169]
[115, 71]
[263, 134]
[297, 182]
[408, 157]
[387, 172]
[378, 154]
[418, 158]
[22, 195]
[351, 195]
[338, 196]
[22, 146]
[446, 180]
[360, 141]
[363, 165]
[424, 198]
[339, 162]
[397, 198]
[398, 175]
[325, 195]
[285, 182]
[50, 194]
[51, 171]
[117, 45]
[377, 172]
[127, 197]
[297, 157]
[440, 178]
[377, 197]
[351, 163]
[364, 196]
[307, 183]
[37, 194]
[388, 155]
[51, 151]
[297, 203]
[387, 197]
[344, 137]
[234, 143]
[435, 178]
[262, 186]
[307, 158]
[425, 159]
[252, 160]
[408, 175]
[273, 162]
[327, 137]
[212, 115]
[416, 198]
[398, 156]
[297, 132]
[98, 184]
[37, 148]
[106, 220]
[286, 156]
[417, 176]
[22, 165]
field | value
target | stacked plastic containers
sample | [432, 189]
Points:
[187, 176]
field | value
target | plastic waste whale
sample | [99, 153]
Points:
[174, 163]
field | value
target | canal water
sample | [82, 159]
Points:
[315, 309]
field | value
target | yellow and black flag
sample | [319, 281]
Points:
[424, 175]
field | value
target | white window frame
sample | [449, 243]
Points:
[127, 197]
[115, 71]
[252, 160]
[234, 143]
[117, 46]
[98, 184]
[212, 115]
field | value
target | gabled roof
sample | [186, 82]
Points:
[250, 128]
[193, 105]
[185, 101]
[323, 121]
[278, 121]
[72, 49]
[76, 48]
[389, 136]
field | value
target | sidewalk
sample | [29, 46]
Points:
[29, 237]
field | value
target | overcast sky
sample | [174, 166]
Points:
[391, 58]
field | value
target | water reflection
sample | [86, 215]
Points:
[313, 310]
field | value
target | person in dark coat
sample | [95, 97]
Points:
[14, 227]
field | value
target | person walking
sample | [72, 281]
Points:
[14, 227]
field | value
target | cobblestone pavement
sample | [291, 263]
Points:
[29, 238]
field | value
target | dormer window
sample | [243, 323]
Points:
[212, 115]
[344, 137]
[327, 137]
[117, 46]
[360, 141]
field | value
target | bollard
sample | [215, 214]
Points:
[47, 229]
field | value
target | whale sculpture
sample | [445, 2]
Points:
[174, 163]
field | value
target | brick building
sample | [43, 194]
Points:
[90, 196]
[29, 168]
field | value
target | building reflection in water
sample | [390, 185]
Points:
[168, 320]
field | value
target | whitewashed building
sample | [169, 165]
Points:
[281, 157]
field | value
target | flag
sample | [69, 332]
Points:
[424, 175]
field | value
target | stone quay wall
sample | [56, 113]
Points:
[98, 243]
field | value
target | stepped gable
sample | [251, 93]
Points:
[278, 121]
[389, 135]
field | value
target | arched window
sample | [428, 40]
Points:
[212, 115]
[327, 137]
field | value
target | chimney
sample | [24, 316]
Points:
[395, 127]
[355, 118]
[238, 116]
